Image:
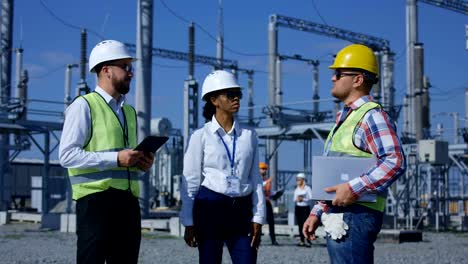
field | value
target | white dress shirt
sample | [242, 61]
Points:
[306, 193]
[77, 131]
[206, 163]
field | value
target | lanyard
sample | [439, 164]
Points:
[231, 159]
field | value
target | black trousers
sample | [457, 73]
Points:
[108, 227]
[270, 220]
[301, 212]
[221, 220]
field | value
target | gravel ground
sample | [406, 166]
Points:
[26, 243]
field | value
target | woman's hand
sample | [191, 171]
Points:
[256, 234]
[190, 236]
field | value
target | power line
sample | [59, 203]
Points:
[48, 73]
[68, 24]
[318, 13]
[401, 54]
[209, 34]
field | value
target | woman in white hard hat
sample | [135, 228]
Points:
[222, 196]
[302, 199]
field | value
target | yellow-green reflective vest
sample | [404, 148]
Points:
[107, 134]
[342, 144]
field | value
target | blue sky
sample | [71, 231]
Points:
[49, 45]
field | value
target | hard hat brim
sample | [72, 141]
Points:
[93, 71]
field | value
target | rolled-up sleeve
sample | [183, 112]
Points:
[378, 136]
[191, 179]
[258, 198]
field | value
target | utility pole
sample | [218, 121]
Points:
[411, 40]
[68, 76]
[220, 39]
[315, 88]
[272, 89]
[190, 91]
[83, 87]
[144, 51]
[6, 32]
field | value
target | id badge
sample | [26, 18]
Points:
[233, 186]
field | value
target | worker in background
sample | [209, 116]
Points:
[362, 129]
[302, 199]
[270, 217]
[222, 196]
[99, 133]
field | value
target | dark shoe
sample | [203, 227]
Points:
[274, 243]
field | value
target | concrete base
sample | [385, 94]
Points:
[464, 225]
[68, 223]
[410, 236]
[155, 224]
[4, 218]
[26, 217]
[291, 231]
[175, 227]
[399, 236]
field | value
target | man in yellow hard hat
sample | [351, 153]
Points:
[263, 167]
[362, 129]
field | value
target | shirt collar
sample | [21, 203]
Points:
[359, 102]
[215, 126]
[108, 98]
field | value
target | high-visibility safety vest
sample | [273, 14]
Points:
[342, 144]
[107, 134]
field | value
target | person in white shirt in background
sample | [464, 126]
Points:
[222, 193]
[302, 199]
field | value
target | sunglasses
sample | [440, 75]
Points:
[338, 74]
[232, 94]
[125, 67]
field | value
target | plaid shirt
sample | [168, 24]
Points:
[376, 133]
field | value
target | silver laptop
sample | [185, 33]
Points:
[330, 171]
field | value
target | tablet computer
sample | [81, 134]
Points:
[151, 144]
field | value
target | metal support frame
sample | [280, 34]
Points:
[274, 80]
[6, 39]
[375, 43]
[183, 56]
[453, 5]
[30, 128]
[143, 85]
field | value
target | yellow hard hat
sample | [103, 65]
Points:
[262, 165]
[356, 56]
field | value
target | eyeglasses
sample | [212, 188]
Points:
[232, 94]
[339, 74]
[125, 67]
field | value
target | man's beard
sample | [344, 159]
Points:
[122, 86]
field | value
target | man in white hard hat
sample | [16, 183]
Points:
[99, 134]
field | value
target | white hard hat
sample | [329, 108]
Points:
[108, 50]
[218, 80]
[301, 175]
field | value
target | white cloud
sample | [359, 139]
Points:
[35, 69]
[58, 58]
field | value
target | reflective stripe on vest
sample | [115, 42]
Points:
[342, 144]
[107, 134]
